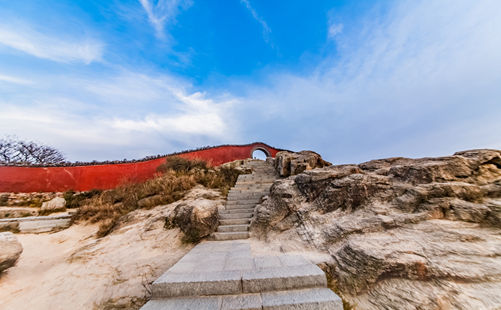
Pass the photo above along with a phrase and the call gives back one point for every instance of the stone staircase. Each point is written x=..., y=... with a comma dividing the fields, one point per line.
x=234, y=221
x=223, y=275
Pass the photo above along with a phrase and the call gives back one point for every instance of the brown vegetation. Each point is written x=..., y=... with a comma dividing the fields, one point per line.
x=176, y=176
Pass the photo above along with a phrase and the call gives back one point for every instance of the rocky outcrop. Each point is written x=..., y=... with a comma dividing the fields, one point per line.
x=10, y=250
x=55, y=204
x=290, y=163
x=401, y=233
x=196, y=214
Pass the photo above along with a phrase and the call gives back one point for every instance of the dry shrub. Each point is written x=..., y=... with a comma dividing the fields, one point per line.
x=179, y=176
x=181, y=165
x=75, y=200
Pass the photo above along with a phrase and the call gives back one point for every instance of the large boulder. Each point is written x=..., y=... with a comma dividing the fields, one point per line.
x=291, y=163
x=55, y=204
x=10, y=250
x=196, y=214
x=401, y=233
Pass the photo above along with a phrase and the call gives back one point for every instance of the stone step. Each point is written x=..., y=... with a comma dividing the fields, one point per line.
x=233, y=228
x=305, y=299
x=239, y=203
x=236, y=204
x=37, y=224
x=283, y=278
x=238, y=197
x=248, y=191
x=253, y=177
x=236, y=216
x=232, y=271
x=243, y=201
x=243, y=209
x=231, y=235
x=253, y=189
x=246, y=183
x=246, y=207
x=243, y=196
x=233, y=192
x=232, y=211
x=234, y=221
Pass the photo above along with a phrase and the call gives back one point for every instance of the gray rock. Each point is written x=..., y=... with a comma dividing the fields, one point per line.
x=196, y=215
x=55, y=204
x=289, y=163
x=402, y=233
x=10, y=250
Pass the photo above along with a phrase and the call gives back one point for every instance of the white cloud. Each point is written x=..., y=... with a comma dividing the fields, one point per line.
x=14, y=80
x=260, y=20
x=334, y=29
x=35, y=43
x=163, y=12
x=396, y=86
x=105, y=117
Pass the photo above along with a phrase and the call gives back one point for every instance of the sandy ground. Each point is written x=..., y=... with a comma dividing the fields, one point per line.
x=71, y=269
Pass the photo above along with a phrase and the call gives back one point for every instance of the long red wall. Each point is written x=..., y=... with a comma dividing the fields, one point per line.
x=82, y=178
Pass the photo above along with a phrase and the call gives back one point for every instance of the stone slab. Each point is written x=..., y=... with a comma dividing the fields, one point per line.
x=186, y=303
x=234, y=228
x=283, y=278
x=203, y=283
x=314, y=299
x=234, y=221
x=242, y=302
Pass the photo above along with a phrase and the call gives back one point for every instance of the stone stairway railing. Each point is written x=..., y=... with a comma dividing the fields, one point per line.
x=242, y=199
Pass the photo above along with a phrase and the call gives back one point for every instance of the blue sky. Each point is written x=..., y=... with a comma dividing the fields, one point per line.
x=352, y=80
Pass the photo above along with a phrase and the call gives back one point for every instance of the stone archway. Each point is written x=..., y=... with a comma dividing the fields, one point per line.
x=260, y=149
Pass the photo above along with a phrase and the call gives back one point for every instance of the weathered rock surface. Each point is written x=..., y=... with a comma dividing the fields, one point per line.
x=55, y=204
x=197, y=213
x=290, y=163
x=10, y=212
x=401, y=233
x=10, y=250
x=71, y=269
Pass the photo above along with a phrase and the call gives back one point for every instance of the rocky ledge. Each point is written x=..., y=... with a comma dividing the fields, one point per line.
x=401, y=233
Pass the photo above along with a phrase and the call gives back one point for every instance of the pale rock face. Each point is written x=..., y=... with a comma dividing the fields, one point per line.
x=10, y=250
x=401, y=233
x=289, y=163
x=56, y=204
x=197, y=213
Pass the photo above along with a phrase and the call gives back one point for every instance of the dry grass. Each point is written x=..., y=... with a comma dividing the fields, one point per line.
x=178, y=177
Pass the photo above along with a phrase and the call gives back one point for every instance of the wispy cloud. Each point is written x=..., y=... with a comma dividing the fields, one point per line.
x=396, y=85
x=260, y=20
x=27, y=40
x=163, y=12
x=334, y=29
x=14, y=80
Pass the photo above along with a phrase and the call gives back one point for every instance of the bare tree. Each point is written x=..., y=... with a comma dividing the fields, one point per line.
x=17, y=152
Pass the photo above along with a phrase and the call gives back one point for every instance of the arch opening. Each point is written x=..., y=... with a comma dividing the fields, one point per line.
x=260, y=154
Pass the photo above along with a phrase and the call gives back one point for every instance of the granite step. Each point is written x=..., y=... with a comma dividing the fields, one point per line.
x=242, y=201
x=235, y=216
x=233, y=228
x=305, y=299
x=231, y=235
x=240, y=210
x=234, y=221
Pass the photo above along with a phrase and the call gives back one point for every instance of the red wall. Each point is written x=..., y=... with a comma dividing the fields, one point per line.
x=82, y=178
